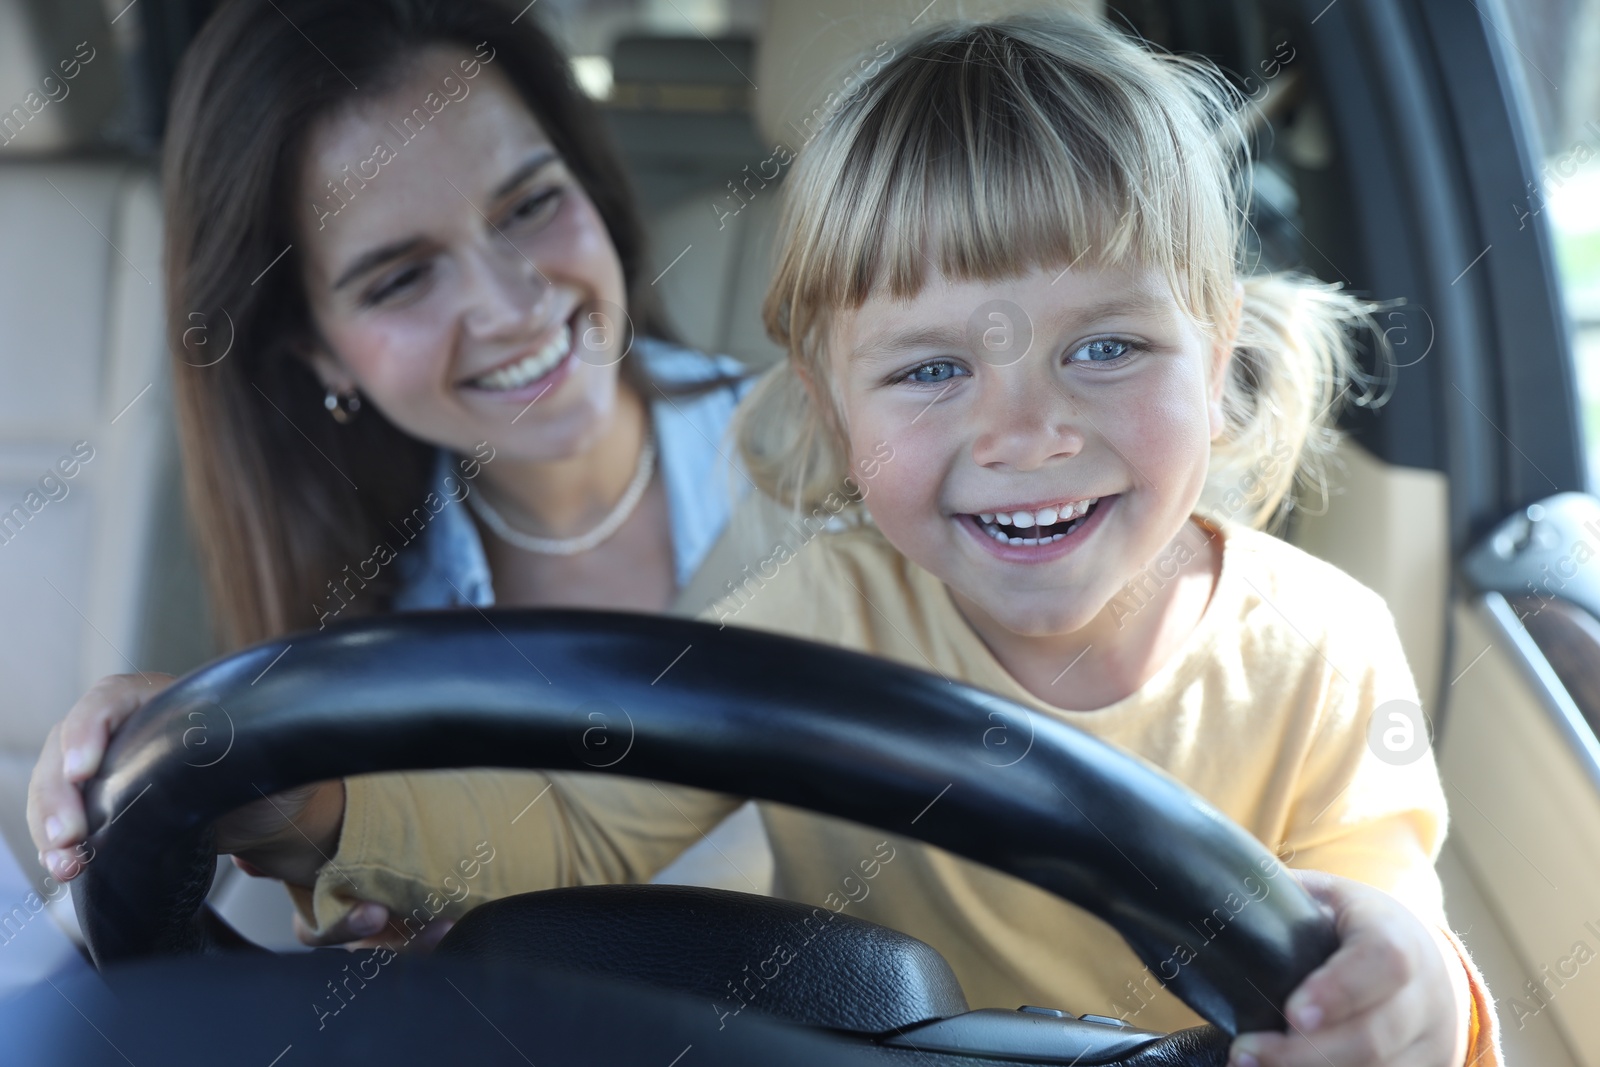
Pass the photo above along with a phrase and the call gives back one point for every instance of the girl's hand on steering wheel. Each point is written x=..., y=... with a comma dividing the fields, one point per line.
x=1395, y=993
x=368, y=926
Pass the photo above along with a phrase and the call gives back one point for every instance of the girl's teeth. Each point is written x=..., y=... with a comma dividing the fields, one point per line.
x=1026, y=520
x=1011, y=540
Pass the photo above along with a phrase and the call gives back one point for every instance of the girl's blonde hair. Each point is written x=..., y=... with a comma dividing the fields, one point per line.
x=987, y=149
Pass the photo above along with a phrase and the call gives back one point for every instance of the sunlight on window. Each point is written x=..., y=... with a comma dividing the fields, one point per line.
x=1552, y=47
x=710, y=17
x=594, y=75
x=1574, y=217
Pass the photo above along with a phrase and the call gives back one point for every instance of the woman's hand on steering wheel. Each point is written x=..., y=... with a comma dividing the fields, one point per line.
x=72, y=754
x=287, y=836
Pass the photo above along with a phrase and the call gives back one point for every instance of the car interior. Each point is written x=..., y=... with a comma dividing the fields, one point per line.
x=1390, y=136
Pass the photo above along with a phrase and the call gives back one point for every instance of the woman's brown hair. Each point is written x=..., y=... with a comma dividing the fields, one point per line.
x=283, y=497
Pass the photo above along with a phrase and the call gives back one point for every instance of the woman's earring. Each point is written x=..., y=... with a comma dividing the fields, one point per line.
x=342, y=407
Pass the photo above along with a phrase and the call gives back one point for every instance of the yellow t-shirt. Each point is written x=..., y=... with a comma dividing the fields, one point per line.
x=1263, y=710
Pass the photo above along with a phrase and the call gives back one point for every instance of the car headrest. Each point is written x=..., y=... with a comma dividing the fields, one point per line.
x=60, y=79
x=808, y=50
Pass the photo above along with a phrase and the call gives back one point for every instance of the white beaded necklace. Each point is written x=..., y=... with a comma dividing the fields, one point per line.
x=571, y=546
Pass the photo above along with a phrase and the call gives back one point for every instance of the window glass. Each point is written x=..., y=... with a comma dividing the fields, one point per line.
x=1552, y=45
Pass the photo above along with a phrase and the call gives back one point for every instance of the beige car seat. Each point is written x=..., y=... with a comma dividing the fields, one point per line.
x=95, y=571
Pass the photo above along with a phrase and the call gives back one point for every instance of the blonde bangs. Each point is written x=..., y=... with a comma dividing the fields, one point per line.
x=986, y=151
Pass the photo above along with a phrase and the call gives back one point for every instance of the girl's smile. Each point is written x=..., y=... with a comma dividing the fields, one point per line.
x=1036, y=535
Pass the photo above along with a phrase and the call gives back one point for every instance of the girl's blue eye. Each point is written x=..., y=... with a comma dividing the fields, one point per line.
x=934, y=372
x=1105, y=350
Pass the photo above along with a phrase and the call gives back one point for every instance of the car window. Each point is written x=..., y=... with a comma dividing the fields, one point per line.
x=1551, y=47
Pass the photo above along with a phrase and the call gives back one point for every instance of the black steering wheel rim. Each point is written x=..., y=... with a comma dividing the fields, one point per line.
x=812, y=726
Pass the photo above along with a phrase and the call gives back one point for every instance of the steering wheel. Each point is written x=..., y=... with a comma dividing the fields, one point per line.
x=732, y=710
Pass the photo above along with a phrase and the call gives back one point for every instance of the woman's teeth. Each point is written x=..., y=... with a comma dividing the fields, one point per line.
x=1050, y=524
x=533, y=367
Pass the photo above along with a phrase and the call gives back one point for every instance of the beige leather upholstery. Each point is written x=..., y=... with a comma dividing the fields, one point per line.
x=808, y=50
x=95, y=576
x=1389, y=528
x=713, y=295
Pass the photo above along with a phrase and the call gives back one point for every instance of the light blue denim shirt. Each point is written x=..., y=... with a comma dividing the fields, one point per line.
x=445, y=565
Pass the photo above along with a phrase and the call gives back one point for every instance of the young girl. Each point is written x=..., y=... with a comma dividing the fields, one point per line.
x=1008, y=288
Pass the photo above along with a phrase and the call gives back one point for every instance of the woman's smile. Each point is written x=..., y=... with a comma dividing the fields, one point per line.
x=527, y=367
x=465, y=286
x=528, y=376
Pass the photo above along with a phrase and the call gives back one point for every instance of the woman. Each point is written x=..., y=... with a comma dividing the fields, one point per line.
x=444, y=387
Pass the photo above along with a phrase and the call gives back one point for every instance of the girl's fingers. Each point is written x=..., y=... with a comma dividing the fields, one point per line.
x=431, y=935
x=1376, y=958
x=369, y=926
x=1372, y=1003
x=362, y=927
x=1368, y=969
x=1380, y=1040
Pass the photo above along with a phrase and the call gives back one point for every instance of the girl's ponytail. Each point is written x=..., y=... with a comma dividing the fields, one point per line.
x=788, y=452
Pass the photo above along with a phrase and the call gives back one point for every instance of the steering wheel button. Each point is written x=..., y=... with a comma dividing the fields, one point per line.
x=1054, y=1013
x=1033, y=1036
x=1106, y=1020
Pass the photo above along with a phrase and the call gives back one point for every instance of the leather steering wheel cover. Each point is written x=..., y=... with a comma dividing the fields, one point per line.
x=813, y=726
